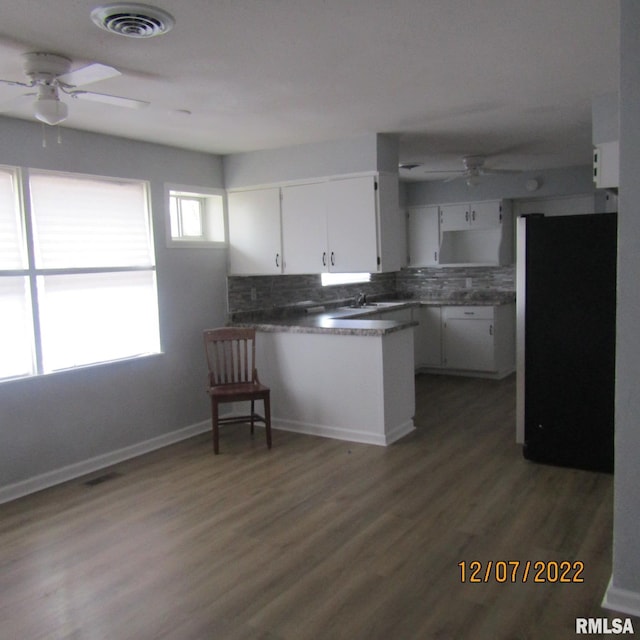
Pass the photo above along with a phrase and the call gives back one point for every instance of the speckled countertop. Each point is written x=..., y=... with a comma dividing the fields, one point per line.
x=345, y=320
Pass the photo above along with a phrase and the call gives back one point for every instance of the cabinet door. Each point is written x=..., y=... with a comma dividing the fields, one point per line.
x=468, y=341
x=255, y=241
x=428, y=337
x=606, y=165
x=423, y=236
x=352, y=225
x=304, y=228
x=454, y=217
x=486, y=215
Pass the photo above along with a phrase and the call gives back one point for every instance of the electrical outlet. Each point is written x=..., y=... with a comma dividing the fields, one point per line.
x=254, y=294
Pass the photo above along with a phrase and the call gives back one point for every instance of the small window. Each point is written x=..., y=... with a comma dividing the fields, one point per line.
x=328, y=279
x=196, y=217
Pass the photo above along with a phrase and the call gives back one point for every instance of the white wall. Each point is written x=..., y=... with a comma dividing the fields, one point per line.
x=624, y=591
x=57, y=421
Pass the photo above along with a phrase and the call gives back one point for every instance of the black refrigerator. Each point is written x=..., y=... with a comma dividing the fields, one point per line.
x=566, y=335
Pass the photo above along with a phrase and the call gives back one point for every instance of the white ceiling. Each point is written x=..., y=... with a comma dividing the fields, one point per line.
x=511, y=79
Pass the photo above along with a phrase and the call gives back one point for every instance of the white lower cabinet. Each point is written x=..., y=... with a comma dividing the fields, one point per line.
x=399, y=315
x=428, y=337
x=473, y=340
x=468, y=338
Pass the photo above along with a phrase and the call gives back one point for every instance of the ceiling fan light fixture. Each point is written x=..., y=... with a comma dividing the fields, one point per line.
x=132, y=20
x=48, y=107
x=473, y=180
x=51, y=111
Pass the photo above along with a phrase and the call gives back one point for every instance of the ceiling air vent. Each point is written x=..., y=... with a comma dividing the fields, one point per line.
x=132, y=20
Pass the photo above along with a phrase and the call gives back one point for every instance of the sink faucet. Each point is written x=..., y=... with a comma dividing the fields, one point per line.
x=361, y=299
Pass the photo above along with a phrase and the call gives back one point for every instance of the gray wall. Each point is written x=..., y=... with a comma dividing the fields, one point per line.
x=373, y=152
x=49, y=422
x=556, y=182
x=626, y=540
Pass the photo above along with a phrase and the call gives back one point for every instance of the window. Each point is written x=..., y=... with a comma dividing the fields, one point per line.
x=77, y=272
x=328, y=279
x=196, y=216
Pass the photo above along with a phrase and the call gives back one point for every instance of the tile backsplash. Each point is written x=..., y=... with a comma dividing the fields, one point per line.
x=442, y=283
x=255, y=293
x=264, y=293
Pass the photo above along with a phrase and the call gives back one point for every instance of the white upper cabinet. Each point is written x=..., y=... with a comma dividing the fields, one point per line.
x=475, y=215
x=486, y=215
x=337, y=226
x=423, y=236
x=352, y=225
x=255, y=240
x=454, y=217
x=304, y=228
x=340, y=225
x=477, y=233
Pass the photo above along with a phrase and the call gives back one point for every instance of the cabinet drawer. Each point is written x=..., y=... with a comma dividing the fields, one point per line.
x=471, y=312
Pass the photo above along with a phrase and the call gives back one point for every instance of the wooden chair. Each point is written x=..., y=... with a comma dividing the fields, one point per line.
x=233, y=377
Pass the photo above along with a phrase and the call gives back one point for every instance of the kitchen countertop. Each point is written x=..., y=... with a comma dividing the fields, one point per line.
x=352, y=321
x=339, y=321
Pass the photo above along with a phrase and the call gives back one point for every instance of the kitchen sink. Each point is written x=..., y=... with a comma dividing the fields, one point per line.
x=373, y=305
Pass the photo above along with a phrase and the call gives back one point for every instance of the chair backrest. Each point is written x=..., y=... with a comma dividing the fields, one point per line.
x=231, y=355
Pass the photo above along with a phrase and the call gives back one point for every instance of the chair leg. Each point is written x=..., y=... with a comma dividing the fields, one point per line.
x=214, y=423
x=267, y=419
x=253, y=410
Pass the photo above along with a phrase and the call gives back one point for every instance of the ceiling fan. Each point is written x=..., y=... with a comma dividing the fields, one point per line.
x=49, y=75
x=473, y=168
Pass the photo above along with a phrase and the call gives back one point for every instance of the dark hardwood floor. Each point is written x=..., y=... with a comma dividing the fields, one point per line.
x=316, y=539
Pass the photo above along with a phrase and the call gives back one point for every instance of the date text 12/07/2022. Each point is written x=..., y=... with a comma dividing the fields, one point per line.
x=541, y=571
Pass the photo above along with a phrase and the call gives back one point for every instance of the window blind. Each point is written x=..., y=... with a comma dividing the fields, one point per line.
x=12, y=254
x=81, y=222
x=16, y=327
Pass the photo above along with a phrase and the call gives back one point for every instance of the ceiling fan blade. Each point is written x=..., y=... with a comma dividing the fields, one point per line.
x=88, y=74
x=447, y=171
x=487, y=171
x=16, y=102
x=115, y=101
x=14, y=83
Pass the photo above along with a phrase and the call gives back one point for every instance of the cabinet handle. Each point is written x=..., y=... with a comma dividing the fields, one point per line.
x=435, y=256
x=473, y=215
x=277, y=259
x=466, y=216
x=469, y=313
x=490, y=329
x=324, y=258
x=333, y=259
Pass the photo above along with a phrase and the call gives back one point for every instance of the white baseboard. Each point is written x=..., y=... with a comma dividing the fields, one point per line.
x=400, y=431
x=57, y=476
x=621, y=600
x=339, y=433
x=466, y=373
x=78, y=469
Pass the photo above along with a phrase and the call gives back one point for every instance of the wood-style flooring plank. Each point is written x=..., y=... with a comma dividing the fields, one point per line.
x=315, y=539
